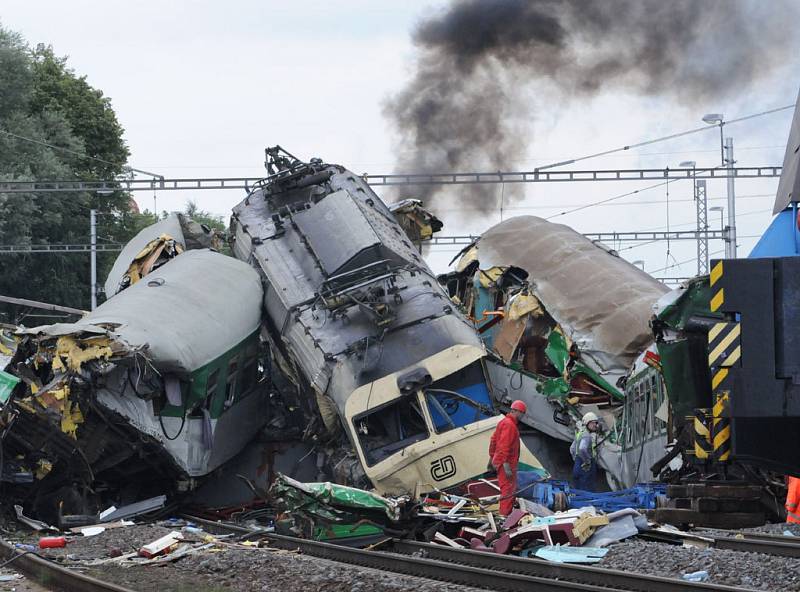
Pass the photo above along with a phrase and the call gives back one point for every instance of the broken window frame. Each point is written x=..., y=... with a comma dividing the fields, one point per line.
x=416, y=402
x=482, y=412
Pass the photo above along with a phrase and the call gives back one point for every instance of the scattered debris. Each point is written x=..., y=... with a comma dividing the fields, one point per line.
x=52, y=542
x=696, y=576
x=131, y=510
x=561, y=554
x=161, y=546
x=29, y=522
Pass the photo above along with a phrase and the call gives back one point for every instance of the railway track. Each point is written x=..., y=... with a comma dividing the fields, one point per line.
x=496, y=572
x=457, y=566
x=52, y=576
x=744, y=542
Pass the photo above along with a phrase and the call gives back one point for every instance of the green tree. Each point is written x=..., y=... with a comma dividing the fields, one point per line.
x=42, y=100
x=213, y=221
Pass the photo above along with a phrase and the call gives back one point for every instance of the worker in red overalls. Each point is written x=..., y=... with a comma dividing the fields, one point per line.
x=504, y=455
x=792, y=499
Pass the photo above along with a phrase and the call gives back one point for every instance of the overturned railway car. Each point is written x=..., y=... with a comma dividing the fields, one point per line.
x=568, y=324
x=390, y=375
x=154, y=389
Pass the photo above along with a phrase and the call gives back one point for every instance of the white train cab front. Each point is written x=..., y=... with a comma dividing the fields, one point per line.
x=428, y=427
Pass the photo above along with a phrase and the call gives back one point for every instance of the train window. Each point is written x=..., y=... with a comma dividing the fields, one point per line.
x=249, y=375
x=232, y=379
x=389, y=429
x=462, y=396
x=211, y=383
x=450, y=409
x=640, y=418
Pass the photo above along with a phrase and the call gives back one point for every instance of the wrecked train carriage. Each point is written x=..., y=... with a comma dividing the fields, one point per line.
x=379, y=357
x=568, y=323
x=156, y=387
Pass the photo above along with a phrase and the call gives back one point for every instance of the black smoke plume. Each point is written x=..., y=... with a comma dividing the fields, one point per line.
x=468, y=105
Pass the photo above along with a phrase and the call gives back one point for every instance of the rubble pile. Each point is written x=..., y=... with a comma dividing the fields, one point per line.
x=467, y=517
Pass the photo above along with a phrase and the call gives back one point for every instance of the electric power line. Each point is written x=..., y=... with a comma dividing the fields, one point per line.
x=665, y=138
x=76, y=153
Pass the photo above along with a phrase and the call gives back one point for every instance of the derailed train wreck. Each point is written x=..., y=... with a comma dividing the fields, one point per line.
x=390, y=375
x=334, y=332
x=154, y=389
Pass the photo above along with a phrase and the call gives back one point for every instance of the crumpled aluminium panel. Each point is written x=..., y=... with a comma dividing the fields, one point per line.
x=186, y=312
x=603, y=302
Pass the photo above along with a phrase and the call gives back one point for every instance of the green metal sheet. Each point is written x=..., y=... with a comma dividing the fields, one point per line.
x=7, y=384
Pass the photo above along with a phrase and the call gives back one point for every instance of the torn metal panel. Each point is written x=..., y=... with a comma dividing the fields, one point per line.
x=417, y=222
x=169, y=226
x=155, y=245
x=136, y=509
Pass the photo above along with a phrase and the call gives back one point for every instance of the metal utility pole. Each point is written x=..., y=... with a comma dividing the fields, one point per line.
x=731, y=251
x=701, y=201
x=93, y=241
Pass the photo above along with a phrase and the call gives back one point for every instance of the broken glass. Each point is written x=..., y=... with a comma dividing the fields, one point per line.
x=391, y=428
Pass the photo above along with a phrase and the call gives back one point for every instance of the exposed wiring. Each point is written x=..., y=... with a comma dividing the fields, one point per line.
x=164, y=431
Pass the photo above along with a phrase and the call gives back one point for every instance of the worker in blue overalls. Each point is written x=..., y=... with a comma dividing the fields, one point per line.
x=584, y=451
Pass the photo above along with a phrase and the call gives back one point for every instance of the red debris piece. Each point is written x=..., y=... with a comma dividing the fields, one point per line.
x=513, y=519
x=502, y=544
x=52, y=542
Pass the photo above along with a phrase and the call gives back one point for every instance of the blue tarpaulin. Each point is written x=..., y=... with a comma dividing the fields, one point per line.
x=641, y=495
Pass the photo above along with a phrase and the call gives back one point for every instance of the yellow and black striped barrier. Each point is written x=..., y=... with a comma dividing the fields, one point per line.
x=724, y=346
x=703, y=447
x=724, y=352
x=721, y=428
x=718, y=293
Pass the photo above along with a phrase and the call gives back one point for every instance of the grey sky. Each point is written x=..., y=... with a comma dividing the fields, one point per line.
x=202, y=87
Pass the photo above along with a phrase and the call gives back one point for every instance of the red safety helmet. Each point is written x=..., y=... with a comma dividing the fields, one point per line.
x=519, y=406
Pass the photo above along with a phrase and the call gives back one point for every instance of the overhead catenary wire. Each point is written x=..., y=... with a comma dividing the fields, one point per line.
x=79, y=154
x=666, y=138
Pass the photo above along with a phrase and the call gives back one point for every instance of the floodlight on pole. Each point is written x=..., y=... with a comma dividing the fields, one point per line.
x=726, y=155
x=688, y=164
x=639, y=263
x=717, y=119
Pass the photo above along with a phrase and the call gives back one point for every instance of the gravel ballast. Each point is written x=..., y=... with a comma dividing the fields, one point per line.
x=733, y=568
x=226, y=567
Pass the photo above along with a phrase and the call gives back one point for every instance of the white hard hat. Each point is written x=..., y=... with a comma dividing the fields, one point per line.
x=591, y=416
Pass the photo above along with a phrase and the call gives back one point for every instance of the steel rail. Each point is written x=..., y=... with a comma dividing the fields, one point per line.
x=750, y=543
x=474, y=568
x=599, y=576
x=758, y=545
x=53, y=576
